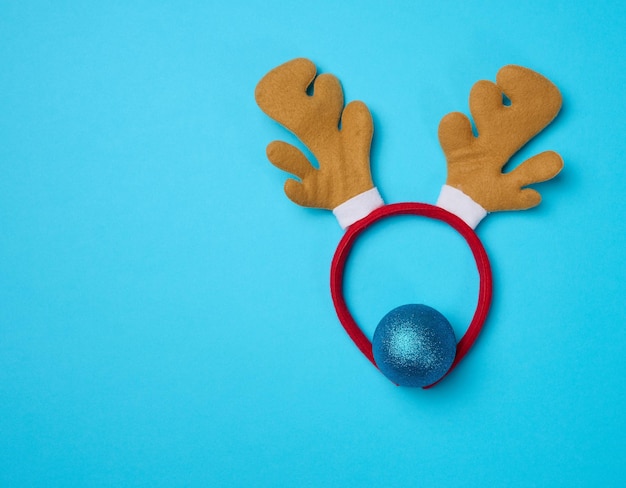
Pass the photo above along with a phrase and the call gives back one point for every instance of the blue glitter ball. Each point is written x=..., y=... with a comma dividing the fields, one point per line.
x=414, y=345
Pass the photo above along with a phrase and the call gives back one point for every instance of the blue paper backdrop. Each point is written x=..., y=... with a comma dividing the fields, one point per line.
x=165, y=317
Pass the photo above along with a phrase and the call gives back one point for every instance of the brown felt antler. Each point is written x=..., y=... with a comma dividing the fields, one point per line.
x=475, y=163
x=342, y=153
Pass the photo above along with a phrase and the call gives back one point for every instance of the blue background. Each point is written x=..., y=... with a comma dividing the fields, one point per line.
x=165, y=317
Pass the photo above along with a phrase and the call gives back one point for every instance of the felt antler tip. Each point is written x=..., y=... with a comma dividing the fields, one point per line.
x=343, y=171
x=475, y=163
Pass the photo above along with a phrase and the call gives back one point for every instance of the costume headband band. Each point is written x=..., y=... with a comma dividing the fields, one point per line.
x=413, y=345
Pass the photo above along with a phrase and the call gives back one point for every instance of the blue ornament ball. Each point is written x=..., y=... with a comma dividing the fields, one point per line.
x=414, y=345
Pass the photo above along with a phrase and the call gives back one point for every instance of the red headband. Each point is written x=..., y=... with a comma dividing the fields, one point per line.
x=424, y=210
x=338, y=178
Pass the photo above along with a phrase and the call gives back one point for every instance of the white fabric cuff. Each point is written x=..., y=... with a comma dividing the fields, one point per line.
x=455, y=201
x=358, y=207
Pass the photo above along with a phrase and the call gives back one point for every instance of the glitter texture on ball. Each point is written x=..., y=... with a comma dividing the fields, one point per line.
x=414, y=345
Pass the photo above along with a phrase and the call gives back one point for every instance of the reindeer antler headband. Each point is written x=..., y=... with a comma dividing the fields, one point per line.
x=413, y=345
